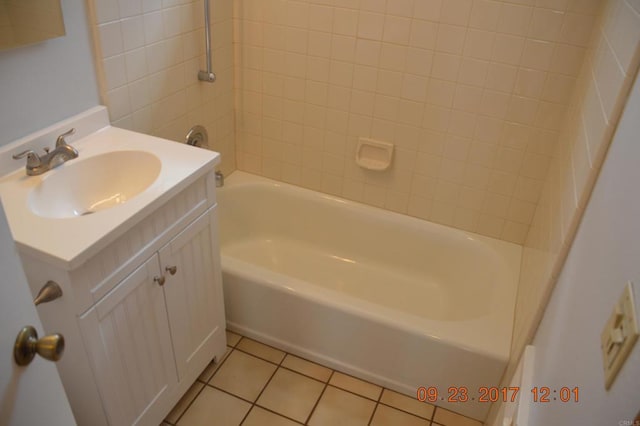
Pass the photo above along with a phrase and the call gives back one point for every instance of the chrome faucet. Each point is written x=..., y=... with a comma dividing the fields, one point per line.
x=37, y=165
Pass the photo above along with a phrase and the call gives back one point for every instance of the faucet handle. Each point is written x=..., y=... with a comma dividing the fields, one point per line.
x=60, y=141
x=33, y=160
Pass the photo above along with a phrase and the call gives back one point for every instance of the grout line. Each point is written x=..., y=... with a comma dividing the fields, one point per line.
x=190, y=403
x=353, y=393
x=326, y=385
x=276, y=413
x=305, y=375
x=377, y=405
x=373, y=414
x=254, y=403
x=205, y=385
x=229, y=393
x=408, y=412
x=258, y=356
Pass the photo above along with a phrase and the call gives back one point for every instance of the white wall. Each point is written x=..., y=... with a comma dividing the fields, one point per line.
x=48, y=81
x=603, y=257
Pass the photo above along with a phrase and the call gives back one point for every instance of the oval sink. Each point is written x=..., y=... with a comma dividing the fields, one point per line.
x=97, y=183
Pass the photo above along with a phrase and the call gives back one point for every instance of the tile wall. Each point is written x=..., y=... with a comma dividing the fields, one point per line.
x=603, y=86
x=473, y=94
x=149, y=54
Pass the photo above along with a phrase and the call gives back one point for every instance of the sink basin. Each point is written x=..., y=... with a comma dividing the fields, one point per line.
x=97, y=183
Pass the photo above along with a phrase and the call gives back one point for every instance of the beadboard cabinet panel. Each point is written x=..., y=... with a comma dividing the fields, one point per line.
x=129, y=346
x=190, y=295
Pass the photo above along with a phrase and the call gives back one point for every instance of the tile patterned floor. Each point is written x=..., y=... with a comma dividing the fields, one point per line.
x=257, y=385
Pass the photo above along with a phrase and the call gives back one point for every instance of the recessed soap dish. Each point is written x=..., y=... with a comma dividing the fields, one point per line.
x=374, y=155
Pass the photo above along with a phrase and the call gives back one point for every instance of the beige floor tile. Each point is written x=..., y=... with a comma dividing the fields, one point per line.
x=232, y=338
x=215, y=407
x=184, y=402
x=449, y=418
x=208, y=372
x=354, y=385
x=387, y=416
x=340, y=408
x=291, y=394
x=307, y=368
x=260, y=350
x=243, y=375
x=261, y=417
x=406, y=403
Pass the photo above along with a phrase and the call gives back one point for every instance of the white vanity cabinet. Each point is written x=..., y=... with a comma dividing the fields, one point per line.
x=144, y=315
x=129, y=346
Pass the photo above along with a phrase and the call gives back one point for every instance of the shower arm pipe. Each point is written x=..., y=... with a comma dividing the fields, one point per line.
x=207, y=75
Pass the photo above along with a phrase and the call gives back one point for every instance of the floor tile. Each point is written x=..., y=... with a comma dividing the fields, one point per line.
x=232, y=338
x=243, y=375
x=208, y=372
x=307, y=368
x=387, y=416
x=291, y=394
x=449, y=418
x=215, y=407
x=184, y=402
x=261, y=417
x=406, y=403
x=354, y=385
x=260, y=350
x=337, y=407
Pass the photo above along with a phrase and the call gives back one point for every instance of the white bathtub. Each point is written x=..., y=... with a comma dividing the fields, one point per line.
x=394, y=300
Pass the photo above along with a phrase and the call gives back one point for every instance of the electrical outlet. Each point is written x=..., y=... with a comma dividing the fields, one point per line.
x=619, y=335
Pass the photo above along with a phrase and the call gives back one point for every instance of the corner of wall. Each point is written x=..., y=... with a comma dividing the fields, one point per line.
x=602, y=91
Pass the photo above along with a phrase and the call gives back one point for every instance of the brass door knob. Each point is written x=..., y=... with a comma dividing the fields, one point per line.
x=27, y=345
x=171, y=269
x=160, y=280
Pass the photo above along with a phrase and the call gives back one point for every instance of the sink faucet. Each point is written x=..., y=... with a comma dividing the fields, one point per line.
x=37, y=165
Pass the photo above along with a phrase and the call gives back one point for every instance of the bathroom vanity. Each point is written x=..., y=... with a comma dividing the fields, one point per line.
x=142, y=308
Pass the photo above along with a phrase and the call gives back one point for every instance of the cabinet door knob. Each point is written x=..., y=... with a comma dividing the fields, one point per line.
x=171, y=269
x=27, y=345
x=160, y=280
x=50, y=291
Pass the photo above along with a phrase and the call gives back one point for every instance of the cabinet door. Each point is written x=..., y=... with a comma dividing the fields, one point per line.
x=127, y=338
x=194, y=296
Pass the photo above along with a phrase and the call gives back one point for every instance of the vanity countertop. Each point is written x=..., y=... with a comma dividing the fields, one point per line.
x=68, y=242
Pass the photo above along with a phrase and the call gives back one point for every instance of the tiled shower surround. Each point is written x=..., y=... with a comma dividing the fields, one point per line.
x=473, y=94
x=149, y=54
